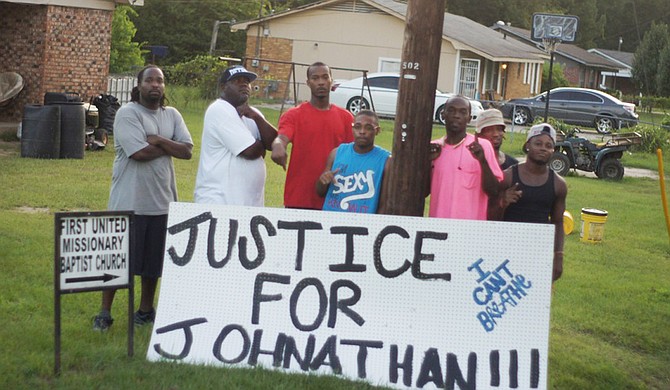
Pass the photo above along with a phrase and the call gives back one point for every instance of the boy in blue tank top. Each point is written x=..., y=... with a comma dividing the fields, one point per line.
x=353, y=178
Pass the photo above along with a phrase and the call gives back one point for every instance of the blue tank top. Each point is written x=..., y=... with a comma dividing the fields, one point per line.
x=356, y=186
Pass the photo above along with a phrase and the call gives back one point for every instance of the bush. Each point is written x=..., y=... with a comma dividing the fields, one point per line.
x=201, y=72
x=559, y=126
x=665, y=122
x=653, y=137
x=558, y=78
x=647, y=103
x=187, y=98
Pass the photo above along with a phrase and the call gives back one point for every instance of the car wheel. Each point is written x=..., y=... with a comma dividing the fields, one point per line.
x=356, y=104
x=610, y=169
x=521, y=116
x=605, y=124
x=438, y=115
x=559, y=163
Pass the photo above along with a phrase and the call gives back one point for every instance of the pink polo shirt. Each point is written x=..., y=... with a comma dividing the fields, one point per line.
x=456, y=181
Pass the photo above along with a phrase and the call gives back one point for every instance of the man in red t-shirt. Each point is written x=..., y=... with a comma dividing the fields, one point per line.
x=315, y=128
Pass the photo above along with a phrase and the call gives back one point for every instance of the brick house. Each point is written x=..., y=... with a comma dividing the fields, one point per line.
x=622, y=78
x=56, y=46
x=368, y=35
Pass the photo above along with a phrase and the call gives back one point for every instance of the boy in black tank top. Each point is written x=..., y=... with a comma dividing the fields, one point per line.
x=533, y=192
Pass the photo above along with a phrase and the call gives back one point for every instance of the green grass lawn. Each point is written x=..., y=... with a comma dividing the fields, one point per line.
x=610, y=314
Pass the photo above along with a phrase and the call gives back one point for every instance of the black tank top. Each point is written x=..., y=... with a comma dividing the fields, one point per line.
x=535, y=203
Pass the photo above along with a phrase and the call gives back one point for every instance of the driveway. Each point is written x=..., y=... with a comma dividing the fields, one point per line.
x=628, y=172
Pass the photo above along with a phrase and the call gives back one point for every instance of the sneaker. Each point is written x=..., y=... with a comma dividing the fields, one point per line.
x=102, y=322
x=141, y=318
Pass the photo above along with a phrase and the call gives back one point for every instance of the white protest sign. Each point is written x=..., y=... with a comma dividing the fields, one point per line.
x=399, y=301
x=92, y=250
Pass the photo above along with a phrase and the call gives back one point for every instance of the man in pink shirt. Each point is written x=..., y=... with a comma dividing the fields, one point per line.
x=465, y=170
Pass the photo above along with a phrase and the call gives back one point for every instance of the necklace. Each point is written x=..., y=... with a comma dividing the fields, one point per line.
x=454, y=147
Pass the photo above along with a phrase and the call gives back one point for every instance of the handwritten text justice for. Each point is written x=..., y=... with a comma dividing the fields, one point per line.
x=331, y=302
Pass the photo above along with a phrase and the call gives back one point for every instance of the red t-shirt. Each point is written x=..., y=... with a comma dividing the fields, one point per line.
x=313, y=133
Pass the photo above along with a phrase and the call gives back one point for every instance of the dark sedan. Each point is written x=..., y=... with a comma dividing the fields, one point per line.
x=575, y=106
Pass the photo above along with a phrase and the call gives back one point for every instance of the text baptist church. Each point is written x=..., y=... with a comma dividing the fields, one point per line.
x=102, y=262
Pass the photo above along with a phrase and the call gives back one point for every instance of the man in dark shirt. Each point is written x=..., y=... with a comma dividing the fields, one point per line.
x=534, y=193
x=491, y=126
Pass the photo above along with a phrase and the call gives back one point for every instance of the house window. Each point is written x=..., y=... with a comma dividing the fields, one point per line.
x=391, y=65
x=490, y=75
x=469, y=77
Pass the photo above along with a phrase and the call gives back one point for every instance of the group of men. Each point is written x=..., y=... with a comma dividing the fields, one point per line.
x=334, y=165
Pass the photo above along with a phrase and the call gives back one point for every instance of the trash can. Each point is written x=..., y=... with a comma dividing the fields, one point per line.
x=72, y=129
x=61, y=97
x=40, y=131
x=72, y=122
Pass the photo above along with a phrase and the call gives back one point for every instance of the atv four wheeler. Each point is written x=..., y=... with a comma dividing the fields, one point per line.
x=572, y=151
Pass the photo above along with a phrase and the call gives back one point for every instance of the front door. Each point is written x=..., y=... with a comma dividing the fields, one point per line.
x=469, y=78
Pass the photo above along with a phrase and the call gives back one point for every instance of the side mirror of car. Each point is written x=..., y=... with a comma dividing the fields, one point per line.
x=543, y=98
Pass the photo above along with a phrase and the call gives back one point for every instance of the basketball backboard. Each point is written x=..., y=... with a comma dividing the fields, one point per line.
x=562, y=28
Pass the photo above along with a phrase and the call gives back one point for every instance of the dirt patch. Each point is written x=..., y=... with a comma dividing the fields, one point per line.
x=9, y=148
x=640, y=172
x=628, y=172
x=32, y=210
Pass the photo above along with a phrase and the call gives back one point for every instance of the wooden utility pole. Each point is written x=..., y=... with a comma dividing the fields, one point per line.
x=410, y=171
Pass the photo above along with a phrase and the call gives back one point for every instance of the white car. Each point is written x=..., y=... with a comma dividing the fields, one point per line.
x=384, y=88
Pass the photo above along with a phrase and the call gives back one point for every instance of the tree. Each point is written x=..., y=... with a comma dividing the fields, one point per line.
x=630, y=19
x=280, y=5
x=663, y=76
x=185, y=27
x=518, y=13
x=647, y=59
x=124, y=54
x=591, y=28
x=557, y=77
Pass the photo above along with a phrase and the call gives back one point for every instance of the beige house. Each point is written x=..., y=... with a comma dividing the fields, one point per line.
x=368, y=35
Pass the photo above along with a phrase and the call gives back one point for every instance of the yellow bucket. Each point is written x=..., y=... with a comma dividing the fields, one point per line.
x=568, y=222
x=593, y=225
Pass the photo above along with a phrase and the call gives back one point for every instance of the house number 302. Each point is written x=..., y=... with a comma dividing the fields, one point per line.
x=410, y=65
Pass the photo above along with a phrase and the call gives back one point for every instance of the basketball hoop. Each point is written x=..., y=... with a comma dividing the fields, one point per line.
x=549, y=44
x=551, y=30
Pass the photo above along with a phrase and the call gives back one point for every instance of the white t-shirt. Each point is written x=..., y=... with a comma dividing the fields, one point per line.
x=223, y=176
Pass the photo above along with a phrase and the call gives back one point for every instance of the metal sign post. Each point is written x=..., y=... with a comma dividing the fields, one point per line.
x=551, y=46
x=92, y=253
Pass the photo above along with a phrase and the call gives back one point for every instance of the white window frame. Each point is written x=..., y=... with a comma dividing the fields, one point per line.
x=384, y=61
x=537, y=78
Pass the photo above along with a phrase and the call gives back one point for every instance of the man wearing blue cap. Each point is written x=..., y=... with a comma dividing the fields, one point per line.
x=235, y=137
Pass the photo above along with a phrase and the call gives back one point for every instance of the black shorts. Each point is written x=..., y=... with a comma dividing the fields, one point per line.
x=149, y=245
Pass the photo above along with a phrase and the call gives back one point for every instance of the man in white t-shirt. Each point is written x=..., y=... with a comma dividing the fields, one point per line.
x=235, y=138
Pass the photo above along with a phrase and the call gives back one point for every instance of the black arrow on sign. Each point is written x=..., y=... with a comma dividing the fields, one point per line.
x=104, y=278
